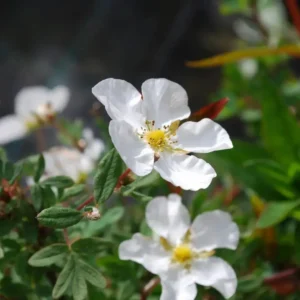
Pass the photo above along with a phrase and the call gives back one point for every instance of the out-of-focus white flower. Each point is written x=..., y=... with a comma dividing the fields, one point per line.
x=183, y=253
x=145, y=130
x=34, y=106
x=248, y=67
x=93, y=147
x=67, y=162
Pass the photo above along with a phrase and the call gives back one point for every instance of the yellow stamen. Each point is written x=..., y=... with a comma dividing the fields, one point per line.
x=156, y=139
x=182, y=254
x=166, y=245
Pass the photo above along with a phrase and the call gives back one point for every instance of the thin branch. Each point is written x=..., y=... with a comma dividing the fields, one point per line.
x=149, y=287
x=122, y=178
x=294, y=11
x=66, y=236
x=86, y=202
x=40, y=140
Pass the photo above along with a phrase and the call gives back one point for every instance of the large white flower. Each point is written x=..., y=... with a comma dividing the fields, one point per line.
x=145, y=130
x=33, y=106
x=183, y=253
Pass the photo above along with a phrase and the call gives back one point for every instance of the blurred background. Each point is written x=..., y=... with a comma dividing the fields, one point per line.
x=80, y=43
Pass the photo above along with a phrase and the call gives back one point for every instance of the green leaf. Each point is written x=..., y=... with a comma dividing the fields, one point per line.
x=72, y=191
x=37, y=197
x=40, y=168
x=48, y=255
x=17, y=171
x=275, y=213
x=91, y=274
x=79, y=286
x=107, y=175
x=90, y=246
x=64, y=279
x=280, y=130
x=48, y=196
x=1, y=253
x=59, y=182
x=59, y=217
x=112, y=216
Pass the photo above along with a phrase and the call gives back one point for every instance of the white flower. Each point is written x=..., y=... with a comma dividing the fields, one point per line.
x=183, y=253
x=33, y=106
x=67, y=162
x=93, y=147
x=94, y=214
x=145, y=130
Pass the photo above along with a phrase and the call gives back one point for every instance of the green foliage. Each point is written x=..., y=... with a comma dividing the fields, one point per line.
x=59, y=217
x=107, y=174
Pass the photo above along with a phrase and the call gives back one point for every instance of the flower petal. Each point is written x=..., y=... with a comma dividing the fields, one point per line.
x=204, y=136
x=122, y=101
x=214, y=229
x=168, y=217
x=171, y=291
x=188, y=172
x=217, y=273
x=164, y=101
x=59, y=98
x=11, y=128
x=137, y=155
x=146, y=252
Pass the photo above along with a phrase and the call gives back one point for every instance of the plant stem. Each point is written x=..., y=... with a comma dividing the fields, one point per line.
x=122, y=178
x=149, y=287
x=66, y=236
x=86, y=202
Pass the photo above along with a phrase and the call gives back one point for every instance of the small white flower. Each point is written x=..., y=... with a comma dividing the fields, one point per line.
x=145, y=130
x=93, y=146
x=183, y=254
x=67, y=162
x=33, y=106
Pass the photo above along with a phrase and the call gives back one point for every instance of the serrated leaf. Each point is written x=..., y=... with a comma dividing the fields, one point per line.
x=48, y=255
x=91, y=274
x=79, y=286
x=37, y=197
x=90, y=246
x=59, y=182
x=40, y=168
x=64, y=279
x=107, y=175
x=59, y=217
x=72, y=191
x=275, y=213
x=17, y=171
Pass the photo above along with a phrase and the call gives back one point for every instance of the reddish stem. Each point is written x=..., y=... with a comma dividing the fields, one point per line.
x=149, y=287
x=122, y=178
x=66, y=236
x=86, y=202
x=294, y=12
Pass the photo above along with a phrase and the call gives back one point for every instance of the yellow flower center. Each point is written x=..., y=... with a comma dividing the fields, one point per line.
x=182, y=254
x=156, y=139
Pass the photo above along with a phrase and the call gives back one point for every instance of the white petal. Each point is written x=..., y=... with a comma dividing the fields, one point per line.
x=11, y=128
x=164, y=101
x=217, y=273
x=29, y=98
x=59, y=98
x=204, y=136
x=136, y=154
x=172, y=292
x=146, y=252
x=122, y=101
x=168, y=217
x=94, y=149
x=213, y=230
x=188, y=172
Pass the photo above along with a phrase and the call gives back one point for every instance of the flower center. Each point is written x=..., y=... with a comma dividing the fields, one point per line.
x=182, y=254
x=156, y=139
x=45, y=111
